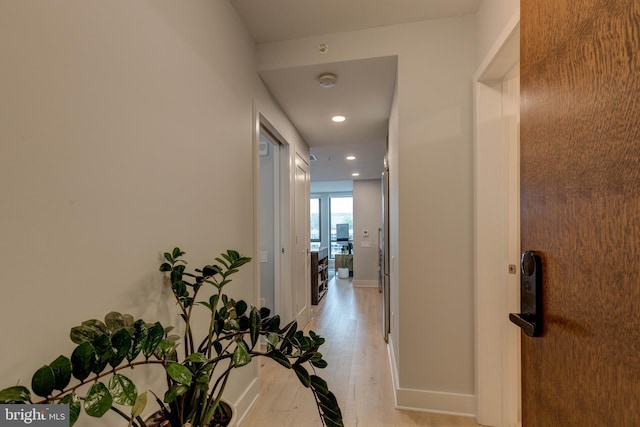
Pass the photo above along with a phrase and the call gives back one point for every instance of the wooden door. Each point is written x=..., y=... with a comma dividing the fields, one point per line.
x=580, y=207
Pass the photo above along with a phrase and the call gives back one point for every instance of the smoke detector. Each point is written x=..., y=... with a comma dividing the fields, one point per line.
x=328, y=80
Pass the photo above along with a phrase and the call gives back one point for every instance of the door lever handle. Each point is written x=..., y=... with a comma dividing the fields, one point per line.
x=528, y=324
x=530, y=316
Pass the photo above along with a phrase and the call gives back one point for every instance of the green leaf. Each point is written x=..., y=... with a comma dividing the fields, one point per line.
x=272, y=324
x=120, y=345
x=180, y=288
x=139, y=337
x=153, y=339
x=138, y=407
x=174, y=392
x=302, y=374
x=321, y=363
x=114, y=321
x=16, y=393
x=165, y=266
x=241, y=308
x=217, y=346
x=177, y=253
x=197, y=357
x=202, y=382
x=43, y=381
x=97, y=326
x=82, y=360
x=234, y=324
x=176, y=273
x=254, y=326
x=83, y=333
x=241, y=355
x=128, y=320
x=61, y=371
x=331, y=413
x=319, y=384
x=210, y=270
x=280, y=358
x=123, y=390
x=165, y=347
x=168, y=257
x=179, y=373
x=306, y=356
x=74, y=407
x=273, y=340
x=98, y=400
x=290, y=329
x=104, y=353
x=213, y=301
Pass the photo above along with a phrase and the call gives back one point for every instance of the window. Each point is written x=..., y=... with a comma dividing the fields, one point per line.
x=314, y=212
x=341, y=212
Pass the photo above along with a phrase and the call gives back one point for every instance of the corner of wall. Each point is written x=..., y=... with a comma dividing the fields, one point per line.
x=428, y=401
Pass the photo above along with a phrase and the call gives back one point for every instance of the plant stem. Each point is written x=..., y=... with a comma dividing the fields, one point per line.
x=126, y=417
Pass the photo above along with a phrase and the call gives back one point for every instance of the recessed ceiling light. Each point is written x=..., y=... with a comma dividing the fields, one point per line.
x=351, y=157
x=355, y=174
x=338, y=119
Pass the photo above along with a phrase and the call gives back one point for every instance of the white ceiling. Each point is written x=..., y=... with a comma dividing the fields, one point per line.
x=365, y=87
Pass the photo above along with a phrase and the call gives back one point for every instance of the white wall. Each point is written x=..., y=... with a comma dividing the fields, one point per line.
x=433, y=252
x=491, y=19
x=367, y=215
x=125, y=129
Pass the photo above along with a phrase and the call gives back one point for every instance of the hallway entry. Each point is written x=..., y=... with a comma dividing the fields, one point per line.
x=358, y=373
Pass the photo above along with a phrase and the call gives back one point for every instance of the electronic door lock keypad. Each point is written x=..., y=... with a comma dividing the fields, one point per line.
x=530, y=316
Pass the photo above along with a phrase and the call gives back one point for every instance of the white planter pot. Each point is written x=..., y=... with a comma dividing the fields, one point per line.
x=343, y=273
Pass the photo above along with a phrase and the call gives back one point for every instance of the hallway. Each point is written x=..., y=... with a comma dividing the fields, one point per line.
x=358, y=373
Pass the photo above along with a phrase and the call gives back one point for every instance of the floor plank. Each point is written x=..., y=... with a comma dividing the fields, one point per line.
x=358, y=372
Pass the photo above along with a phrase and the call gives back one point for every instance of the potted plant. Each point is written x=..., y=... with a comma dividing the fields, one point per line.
x=344, y=263
x=196, y=368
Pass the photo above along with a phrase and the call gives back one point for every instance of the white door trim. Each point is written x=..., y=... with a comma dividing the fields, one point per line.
x=283, y=291
x=497, y=342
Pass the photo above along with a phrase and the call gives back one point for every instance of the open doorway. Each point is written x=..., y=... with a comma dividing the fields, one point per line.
x=273, y=198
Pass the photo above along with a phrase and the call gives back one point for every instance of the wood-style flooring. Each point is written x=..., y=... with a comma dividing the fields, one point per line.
x=349, y=318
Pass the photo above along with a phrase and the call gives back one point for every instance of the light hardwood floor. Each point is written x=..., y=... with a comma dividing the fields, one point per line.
x=358, y=373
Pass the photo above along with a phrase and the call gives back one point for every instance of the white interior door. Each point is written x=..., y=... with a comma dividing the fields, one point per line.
x=301, y=279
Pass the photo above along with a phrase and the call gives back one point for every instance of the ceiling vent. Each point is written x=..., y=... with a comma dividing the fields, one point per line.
x=328, y=80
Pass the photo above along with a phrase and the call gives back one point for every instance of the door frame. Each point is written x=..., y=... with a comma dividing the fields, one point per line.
x=283, y=301
x=301, y=245
x=497, y=352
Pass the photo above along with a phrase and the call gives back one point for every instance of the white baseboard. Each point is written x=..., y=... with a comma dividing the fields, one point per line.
x=426, y=400
x=247, y=399
x=366, y=283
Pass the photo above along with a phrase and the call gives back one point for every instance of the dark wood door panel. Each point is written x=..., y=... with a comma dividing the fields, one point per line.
x=580, y=208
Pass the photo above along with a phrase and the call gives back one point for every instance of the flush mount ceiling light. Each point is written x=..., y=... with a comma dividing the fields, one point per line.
x=350, y=157
x=338, y=119
x=327, y=80
x=355, y=174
